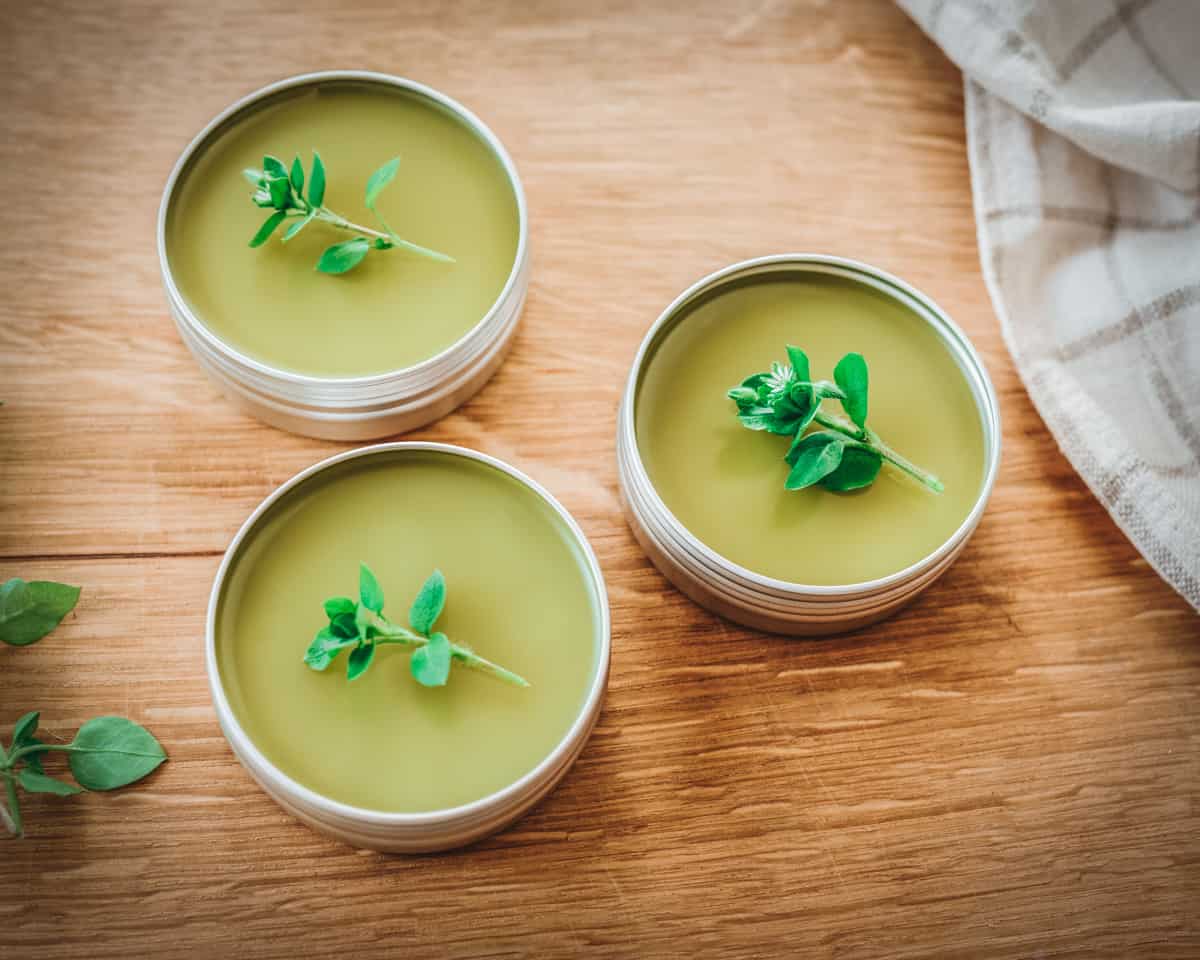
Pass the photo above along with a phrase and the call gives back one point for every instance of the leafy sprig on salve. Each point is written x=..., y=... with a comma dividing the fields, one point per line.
x=29, y=611
x=361, y=628
x=107, y=752
x=282, y=191
x=845, y=455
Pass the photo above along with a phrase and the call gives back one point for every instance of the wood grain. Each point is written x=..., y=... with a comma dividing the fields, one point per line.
x=1010, y=768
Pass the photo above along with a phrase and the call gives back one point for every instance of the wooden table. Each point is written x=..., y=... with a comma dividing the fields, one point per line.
x=1008, y=768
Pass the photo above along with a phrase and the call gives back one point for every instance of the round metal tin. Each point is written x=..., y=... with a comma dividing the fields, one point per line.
x=438, y=829
x=353, y=408
x=740, y=594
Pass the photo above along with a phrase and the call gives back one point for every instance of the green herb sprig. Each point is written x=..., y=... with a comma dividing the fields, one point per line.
x=29, y=611
x=282, y=191
x=107, y=752
x=845, y=455
x=361, y=628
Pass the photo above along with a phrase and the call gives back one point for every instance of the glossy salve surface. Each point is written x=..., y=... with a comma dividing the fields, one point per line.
x=725, y=483
x=451, y=193
x=519, y=593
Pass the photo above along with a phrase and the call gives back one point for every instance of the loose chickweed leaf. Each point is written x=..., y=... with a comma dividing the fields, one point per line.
x=851, y=375
x=107, y=752
x=24, y=729
x=344, y=256
x=844, y=455
x=362, y=628
x=428, y=605
x=112, y=752
x=380, y=179
x=430, y=664
x=30, y=610
x=34, y=781
x=278, y=188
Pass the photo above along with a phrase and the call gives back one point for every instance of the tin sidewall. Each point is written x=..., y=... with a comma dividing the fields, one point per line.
x=438, y=829
x=737, y=592
x=365, y=407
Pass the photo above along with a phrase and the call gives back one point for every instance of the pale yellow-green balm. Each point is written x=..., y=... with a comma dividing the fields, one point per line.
x=451, y=193
x=519, y=593
x=725, y=482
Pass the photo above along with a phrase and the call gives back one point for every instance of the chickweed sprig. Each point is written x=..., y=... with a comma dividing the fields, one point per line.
x=845, y=455
x=282, y=191
x=361, y=628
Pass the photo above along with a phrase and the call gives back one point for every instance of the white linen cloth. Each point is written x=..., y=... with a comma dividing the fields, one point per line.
x=1083, y=129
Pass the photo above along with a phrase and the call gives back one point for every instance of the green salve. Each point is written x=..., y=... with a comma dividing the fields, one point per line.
x=518, y=593
x=725, y=483
x=451, y=194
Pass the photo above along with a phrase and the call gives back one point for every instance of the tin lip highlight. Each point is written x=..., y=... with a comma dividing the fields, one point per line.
x=960, y=347
x=580, y=727
x=310, y=381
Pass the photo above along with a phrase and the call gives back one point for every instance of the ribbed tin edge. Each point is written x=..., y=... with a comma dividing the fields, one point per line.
x=439, y=829
x=366, y=407
x=741, y=594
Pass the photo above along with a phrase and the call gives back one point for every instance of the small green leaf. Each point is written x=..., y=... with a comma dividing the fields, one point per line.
x=274, y=167
x=298, y=176
x=743, y=396
x=380, y=179
x=339, y=605
x=430, y=664
x=34, y=760
x=280, y=189
x=111, y=752
x=799, y=361
x=851, y=375
x=383, y=243
x=345, y=625
x=370, y=593
x=34, y=781
x=812, y=457
x=299, y=225
x=859, y=468
x=316, y=183
x=29, y=611
x=428, y=605
x=24, y=730
x=253, y=177
x=268, y=228
x=360, y=659
x=325, y=648
x=344, y=256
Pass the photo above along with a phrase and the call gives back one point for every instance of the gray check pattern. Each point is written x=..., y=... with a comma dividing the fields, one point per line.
x=1083, y=127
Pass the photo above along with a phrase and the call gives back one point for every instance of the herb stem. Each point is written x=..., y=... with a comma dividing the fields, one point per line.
x=394, y=633
x=334, y=219
x=11, y=815
x=870, y=439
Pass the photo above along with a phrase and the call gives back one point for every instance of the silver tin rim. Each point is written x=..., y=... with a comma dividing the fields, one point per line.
x=300, y=392
x=537, y=781
x=685, y=549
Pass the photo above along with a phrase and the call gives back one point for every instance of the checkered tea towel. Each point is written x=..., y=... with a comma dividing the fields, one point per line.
x=1083, y=128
